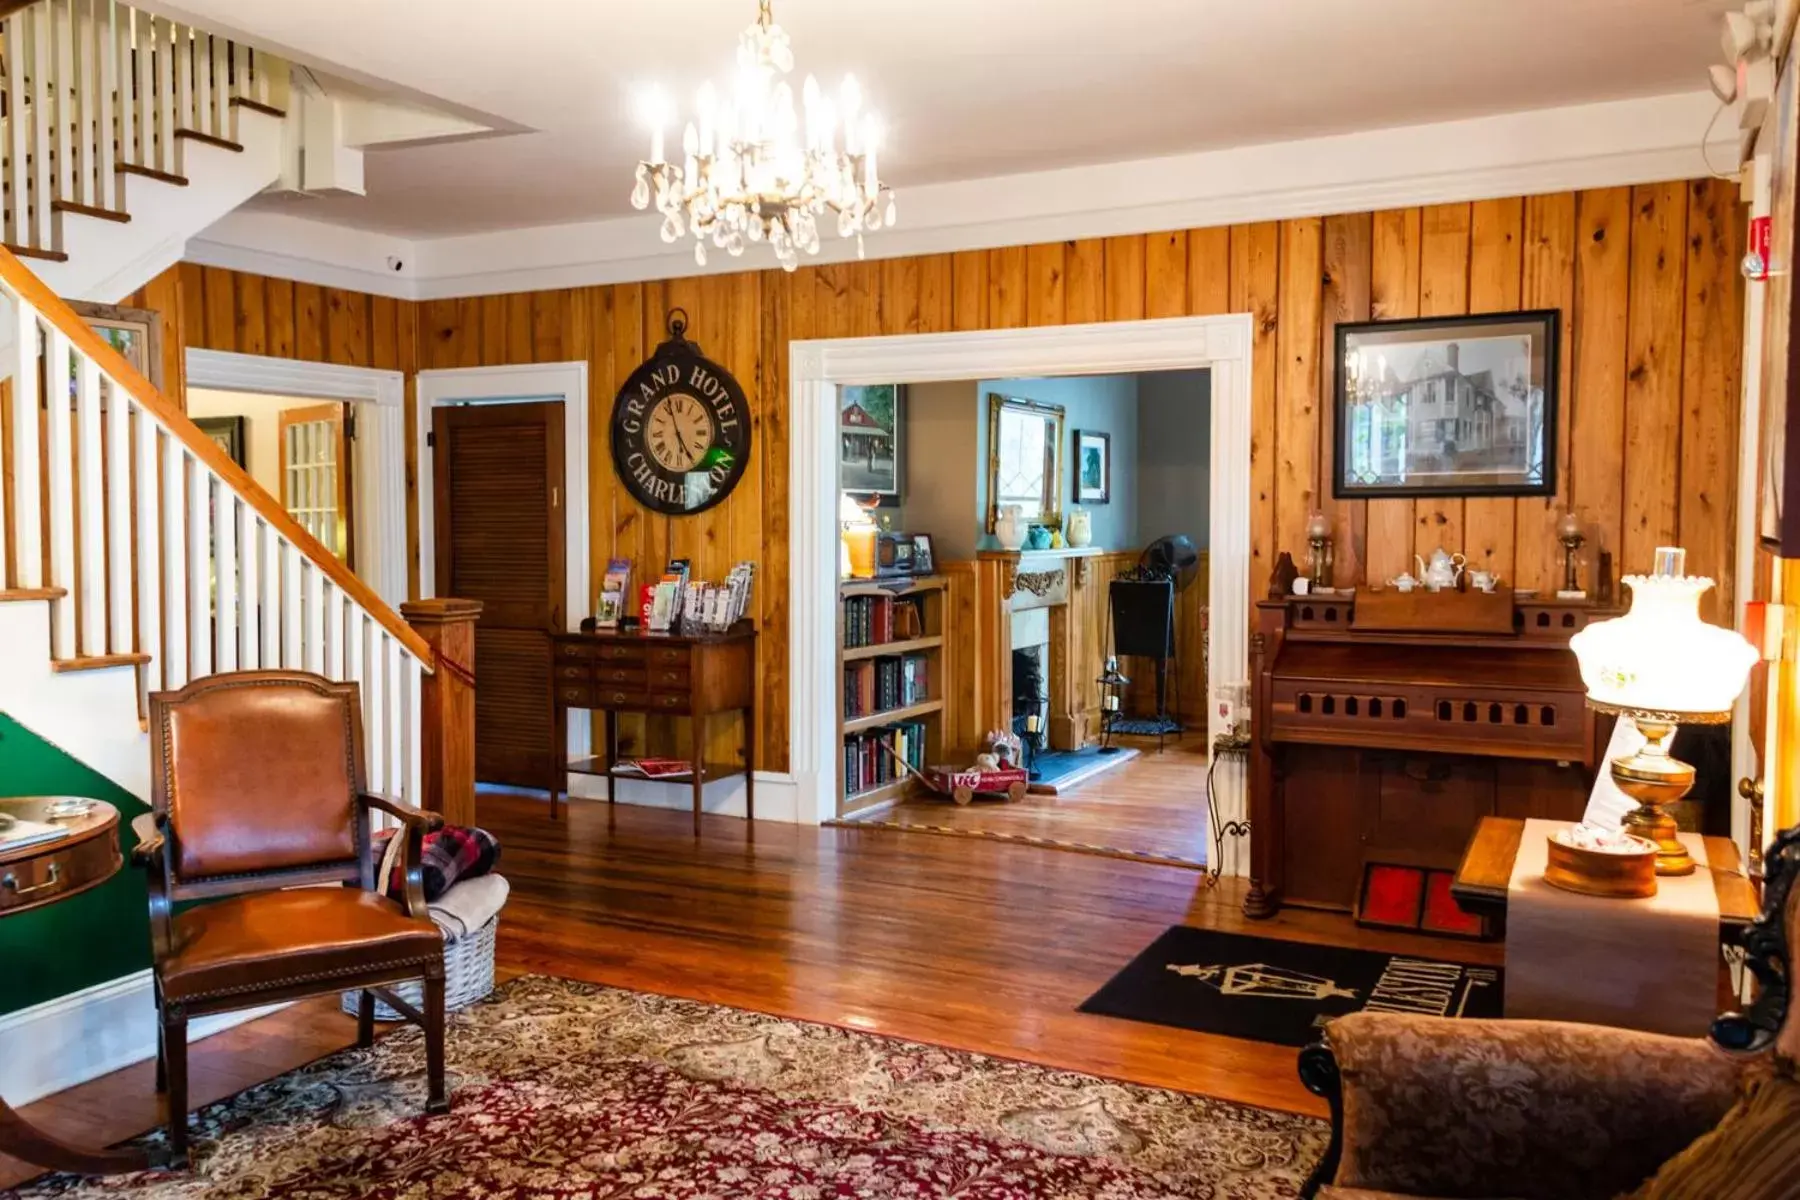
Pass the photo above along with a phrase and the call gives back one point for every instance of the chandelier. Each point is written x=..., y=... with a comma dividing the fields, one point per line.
x=755, y=170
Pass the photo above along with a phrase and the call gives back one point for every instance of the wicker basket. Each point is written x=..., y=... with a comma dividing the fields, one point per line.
x=468, y=976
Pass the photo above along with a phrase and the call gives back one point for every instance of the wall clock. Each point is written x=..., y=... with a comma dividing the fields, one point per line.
x=680, y=428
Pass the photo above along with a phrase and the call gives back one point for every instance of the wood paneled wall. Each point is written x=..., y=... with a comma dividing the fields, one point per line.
x=1647, y=278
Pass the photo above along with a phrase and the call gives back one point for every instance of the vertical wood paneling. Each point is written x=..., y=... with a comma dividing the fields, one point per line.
x=1084, y=281
x=936, y=294
x=1166, y=274
x=1711, y=381
x=1209, y=271
x=1496, y=233
x=1653, y=372
x=278, y=310
x=1393, y=296
x=1124, y=278
x=1348, y=250
x=1297, y=385
x=1044, y=304
x=1548, y=281
x=1443, y=292
x=1006, y=287
x=251, y=317
x=309, y=322
x=1255, y=287
x=1597, y=419
x=900, y=301
x=969, y=287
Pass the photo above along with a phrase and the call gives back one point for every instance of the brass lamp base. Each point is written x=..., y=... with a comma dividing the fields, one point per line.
x=1655, y=780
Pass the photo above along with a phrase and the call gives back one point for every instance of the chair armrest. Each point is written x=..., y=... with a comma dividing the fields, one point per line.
x=1541, y=1110
x=149, y=848
x=415, y=823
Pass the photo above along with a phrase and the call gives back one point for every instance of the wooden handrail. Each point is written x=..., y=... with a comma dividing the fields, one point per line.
x=53, y=309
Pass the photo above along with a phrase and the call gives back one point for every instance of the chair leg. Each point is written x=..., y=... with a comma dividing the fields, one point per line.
x=435, y=1099
x=174, y=1043
x=365, y=1018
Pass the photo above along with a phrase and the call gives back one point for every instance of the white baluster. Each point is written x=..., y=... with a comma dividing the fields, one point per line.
x=355, y=646
x=182, y=50
x=240, y=73
x=221, y=88
x=149, y=549
x=203, y=82
x=15, y=31
x=41, y=23
x=199, y=564
x=27, y=498
x=279, y=77
x=271, y=595
x=177, y=670
x=315, y=616
x=396, y=711
x=90, y=495
x=292, y=612
x=125, y=52
x=250, y=569
x=67, y=111
x=225, y=579
x=109, y=102
x=412, y=793
x=163, y=93
x=60, y=496
x=374, y=708
x=118, y=518
x=337, y=619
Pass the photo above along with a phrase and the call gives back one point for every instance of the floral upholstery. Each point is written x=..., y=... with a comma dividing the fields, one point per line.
x=1538, y=1110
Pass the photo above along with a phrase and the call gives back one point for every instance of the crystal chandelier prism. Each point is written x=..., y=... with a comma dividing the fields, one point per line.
x=754, y=169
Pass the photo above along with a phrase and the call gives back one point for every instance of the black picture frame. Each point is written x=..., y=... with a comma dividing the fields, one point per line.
x=924, y=556
x=1536, y=393
x=228, y=432
x=1102, y=441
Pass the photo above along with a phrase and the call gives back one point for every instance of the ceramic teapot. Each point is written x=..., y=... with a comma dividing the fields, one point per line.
x=1009, y=527
x=1443, y=570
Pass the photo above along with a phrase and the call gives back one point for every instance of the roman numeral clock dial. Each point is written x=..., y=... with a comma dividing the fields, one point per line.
x=680, y=428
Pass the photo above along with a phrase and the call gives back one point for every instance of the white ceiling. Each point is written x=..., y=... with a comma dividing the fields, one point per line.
x=967, y=88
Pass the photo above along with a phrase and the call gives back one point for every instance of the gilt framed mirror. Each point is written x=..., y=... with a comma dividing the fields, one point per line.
x=1025, y=465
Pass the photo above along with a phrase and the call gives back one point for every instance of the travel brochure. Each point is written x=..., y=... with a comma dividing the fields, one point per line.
x=676, y=603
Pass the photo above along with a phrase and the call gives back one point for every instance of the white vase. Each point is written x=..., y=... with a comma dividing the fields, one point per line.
x=1009, y=528
x=1080, y=528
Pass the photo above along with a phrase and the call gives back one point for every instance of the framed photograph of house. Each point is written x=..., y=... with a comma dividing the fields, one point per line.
x=136, y=333
x=227, y=434
x=1447, y=406
x=1093, y=467
x=869, y=439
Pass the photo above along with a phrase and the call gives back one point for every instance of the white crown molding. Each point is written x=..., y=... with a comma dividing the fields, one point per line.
x=1607, y=144
x=226, y=371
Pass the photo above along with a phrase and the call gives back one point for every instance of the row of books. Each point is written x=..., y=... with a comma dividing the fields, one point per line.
x=868, y=765
x=674, y=603
x=878, y=684
x=877, y=620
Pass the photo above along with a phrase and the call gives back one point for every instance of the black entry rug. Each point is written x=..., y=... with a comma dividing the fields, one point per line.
x=1283, y=992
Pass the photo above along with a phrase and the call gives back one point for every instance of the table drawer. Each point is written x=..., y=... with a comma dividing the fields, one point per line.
x=578, y=651
x=620, y=652
x=621, y=697
x=577, y=695
x=620, y=675
x=669, y=701
x=36, y=880
x=574, y=672
x=669, y=656
x=669, y=679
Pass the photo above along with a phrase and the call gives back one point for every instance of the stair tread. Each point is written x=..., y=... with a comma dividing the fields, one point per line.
x=152, y=173
x=89, y=210
x=209, y=139
x=96, y=662
x=257, y=106
x=49, y=593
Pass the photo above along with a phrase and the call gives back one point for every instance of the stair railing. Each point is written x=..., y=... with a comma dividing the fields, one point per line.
x=156, y=549
x=95, y=90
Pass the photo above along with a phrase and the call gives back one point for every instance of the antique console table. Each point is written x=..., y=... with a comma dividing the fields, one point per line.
x=31, y=877
x=694, y=676
x=1387, y=726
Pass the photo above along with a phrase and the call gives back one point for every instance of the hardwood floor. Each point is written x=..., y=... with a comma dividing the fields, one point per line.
x=978, y=945
x=1152, y=807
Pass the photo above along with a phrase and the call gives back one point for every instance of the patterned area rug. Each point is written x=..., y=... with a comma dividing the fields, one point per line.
x=562, y=1089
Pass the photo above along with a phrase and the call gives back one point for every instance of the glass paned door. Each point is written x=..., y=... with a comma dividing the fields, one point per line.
x=315, y=473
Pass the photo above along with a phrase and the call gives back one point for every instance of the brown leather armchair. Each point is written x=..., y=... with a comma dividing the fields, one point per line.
x=1543, y=1110
x=258, y=789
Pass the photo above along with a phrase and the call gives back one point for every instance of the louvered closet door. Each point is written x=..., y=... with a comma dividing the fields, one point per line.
x=498, y=475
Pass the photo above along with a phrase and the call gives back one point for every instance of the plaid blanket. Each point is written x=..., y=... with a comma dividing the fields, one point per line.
x=451, y=853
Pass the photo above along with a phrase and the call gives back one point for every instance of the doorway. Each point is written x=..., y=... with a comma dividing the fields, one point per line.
x=498, y=489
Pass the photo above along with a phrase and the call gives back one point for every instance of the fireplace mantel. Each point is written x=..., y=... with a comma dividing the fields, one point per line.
x=1040, y=574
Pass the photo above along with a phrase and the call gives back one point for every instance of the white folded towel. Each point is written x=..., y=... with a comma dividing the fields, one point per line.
x=470, y=904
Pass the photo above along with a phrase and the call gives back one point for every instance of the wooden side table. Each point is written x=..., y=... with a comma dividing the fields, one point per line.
x=1481, y=881
x=30, y=878
x=694, y=676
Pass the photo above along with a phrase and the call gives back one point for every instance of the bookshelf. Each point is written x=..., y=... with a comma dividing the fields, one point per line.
x=890, y=685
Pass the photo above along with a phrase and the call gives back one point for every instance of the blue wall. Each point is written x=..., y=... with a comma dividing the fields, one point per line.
x=1106, y=403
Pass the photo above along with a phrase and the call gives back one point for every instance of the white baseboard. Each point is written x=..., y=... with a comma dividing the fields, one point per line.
x=83, y=1035
x=777, y=798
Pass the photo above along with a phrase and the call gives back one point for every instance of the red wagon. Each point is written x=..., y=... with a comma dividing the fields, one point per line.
x=963, y=784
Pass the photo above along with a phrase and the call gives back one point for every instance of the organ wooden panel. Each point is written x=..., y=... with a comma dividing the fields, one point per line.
x=1633, y=294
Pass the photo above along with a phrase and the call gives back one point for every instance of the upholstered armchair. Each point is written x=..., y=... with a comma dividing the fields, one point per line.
x=258, y=790
x=1542, y=1110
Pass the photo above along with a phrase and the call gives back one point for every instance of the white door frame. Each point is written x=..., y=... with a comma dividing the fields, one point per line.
x=378, y=482
x=565, y=383
x=1222, y=344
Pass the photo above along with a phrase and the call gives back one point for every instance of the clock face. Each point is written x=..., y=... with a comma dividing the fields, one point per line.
x=680, y=431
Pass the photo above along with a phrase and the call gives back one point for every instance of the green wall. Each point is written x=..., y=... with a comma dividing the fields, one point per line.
x=97, y=936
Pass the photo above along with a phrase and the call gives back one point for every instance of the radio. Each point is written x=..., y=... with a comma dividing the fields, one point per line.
x=895, y=554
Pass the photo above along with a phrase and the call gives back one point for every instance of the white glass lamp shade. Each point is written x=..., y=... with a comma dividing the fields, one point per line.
x=1660, y=657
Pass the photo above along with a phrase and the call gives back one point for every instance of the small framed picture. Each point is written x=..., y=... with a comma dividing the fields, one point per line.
x=924, y=560
x=1093, y=466
x=227, y=433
